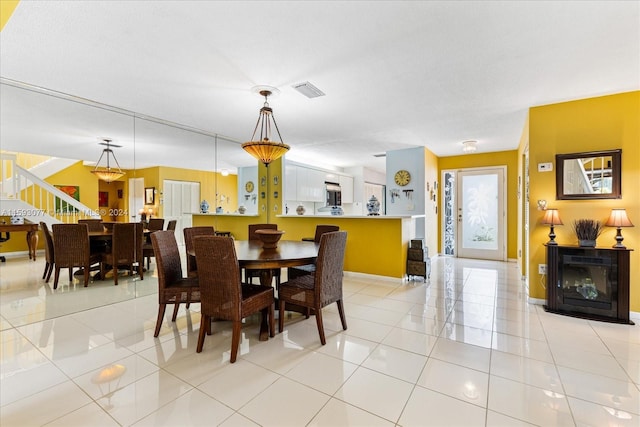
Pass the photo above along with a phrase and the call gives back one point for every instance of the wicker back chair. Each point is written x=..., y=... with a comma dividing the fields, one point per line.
x=221, y=292
x=250, y=274
x=293, y=272
x=171, y=225
x=172, y=287
x=71, y=249
x=155, y=224
x=93, y=224
x=189, y=234
x=48, y=252
x=321, y=288
x=126, y=250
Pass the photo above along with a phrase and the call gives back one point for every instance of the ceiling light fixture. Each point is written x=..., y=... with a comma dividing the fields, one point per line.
x=469, y=146
x=265, y=149
x=108, y=173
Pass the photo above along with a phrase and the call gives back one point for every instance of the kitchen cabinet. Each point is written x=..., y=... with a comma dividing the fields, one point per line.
x=291, y=182
x=346, y=186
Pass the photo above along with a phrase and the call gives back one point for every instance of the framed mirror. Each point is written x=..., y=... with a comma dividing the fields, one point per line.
x=591, y=175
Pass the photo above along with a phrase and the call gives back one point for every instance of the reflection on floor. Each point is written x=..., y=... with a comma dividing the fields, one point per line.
x=463, y=349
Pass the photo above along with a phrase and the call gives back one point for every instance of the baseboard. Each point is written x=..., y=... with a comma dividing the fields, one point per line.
x=365, y=276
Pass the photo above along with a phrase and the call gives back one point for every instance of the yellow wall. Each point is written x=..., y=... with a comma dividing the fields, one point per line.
x=6, y=10
x=508, y=158
x=431, y=176
x=602, y=123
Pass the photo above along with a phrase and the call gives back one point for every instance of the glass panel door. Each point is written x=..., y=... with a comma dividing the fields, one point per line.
x=481, y=216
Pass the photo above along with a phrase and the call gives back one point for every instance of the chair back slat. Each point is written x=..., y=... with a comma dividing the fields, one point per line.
x=155, y=224
x=218, y=276
x=330, y=266
x=127, y=240
x=324, y=228
x=71, y=244
x=93, y=224
x=167, y=256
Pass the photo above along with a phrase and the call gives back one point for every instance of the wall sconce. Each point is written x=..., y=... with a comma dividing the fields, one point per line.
x=551, y=218
x=542, y=205
x=618, y=219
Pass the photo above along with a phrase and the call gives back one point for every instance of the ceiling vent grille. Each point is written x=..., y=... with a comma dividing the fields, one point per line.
x=308, y=90
x=380, y=155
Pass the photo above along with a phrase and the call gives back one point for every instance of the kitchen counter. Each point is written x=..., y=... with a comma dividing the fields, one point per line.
x=375, y=244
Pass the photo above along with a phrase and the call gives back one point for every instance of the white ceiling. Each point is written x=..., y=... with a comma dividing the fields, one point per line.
x=396, y=74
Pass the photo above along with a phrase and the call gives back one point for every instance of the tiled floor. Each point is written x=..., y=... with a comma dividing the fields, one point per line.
x=464, y=349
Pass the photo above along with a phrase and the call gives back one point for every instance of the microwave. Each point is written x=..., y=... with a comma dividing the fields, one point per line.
x=334, y=194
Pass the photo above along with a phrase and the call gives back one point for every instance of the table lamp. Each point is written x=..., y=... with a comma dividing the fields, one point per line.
x=618, y=219
x=551, y=218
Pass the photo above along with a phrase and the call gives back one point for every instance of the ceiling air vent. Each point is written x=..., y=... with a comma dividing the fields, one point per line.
x=380, y=155
x=308, y=90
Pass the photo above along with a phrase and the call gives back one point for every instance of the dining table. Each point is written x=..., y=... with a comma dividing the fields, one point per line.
x=288, y=253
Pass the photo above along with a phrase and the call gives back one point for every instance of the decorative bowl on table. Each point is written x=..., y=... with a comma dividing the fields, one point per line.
x=269, y=238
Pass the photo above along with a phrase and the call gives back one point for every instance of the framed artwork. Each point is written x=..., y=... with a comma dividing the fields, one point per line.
x=103, y=199
x=149, y=195
x=71, y=191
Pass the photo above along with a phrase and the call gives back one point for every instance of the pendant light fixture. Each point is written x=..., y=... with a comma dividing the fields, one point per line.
x=265, y=149
x=108, y=173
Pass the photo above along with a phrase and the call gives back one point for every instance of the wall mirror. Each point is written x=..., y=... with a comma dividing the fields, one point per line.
x=591, y=175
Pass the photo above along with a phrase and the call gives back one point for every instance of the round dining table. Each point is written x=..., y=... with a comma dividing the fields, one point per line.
x=289, y=253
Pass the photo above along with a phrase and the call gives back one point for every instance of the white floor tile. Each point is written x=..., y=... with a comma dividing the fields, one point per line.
x=337, y=413
x=429, y=408
x=456, y=381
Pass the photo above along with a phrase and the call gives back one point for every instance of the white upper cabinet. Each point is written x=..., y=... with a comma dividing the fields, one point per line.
x=346, y=186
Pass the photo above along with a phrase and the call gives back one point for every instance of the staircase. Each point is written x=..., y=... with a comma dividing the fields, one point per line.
x=23, y=194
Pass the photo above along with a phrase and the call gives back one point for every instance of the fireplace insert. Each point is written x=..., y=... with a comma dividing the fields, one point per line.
x=588, y=282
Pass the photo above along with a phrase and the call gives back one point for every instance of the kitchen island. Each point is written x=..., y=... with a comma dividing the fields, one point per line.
x=375, y=244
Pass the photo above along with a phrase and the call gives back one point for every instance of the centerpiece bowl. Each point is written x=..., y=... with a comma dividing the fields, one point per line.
x=269, y=238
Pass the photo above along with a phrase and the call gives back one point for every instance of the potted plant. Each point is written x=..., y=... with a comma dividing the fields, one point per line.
x=587, y=231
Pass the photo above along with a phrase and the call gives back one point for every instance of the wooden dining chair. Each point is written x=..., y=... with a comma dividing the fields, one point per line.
x=189, y=234
x=71, y=250
x=293, y=272
x=173, y=288
x=222, y=294
x=93, y=224
x=249, y=274
x=147, y=247
x=171, y=225
x=155, y=224
x=125, y=250
x=324, y=287
x=48, y=252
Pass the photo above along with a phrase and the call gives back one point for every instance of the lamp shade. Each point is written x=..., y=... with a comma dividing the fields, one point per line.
x=618, y=218
x=551, y=217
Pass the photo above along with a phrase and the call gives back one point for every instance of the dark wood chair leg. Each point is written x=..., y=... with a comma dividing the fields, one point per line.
x=203, y=330
x=161, y=310
x=235, y=340
x=318, y=313
x=281, y=316
x=272, y=321
x=56, y=277
x=86, y=276
x=343, y=319
x=175, y=311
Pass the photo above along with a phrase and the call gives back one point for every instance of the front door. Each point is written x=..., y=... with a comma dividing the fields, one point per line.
x=481, y=213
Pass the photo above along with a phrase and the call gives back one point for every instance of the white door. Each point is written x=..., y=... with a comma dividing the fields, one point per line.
x=180, y=200
x=136, y=198
x=481, y=227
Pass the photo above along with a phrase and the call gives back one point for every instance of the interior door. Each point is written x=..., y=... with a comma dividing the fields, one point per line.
x=136, y=198
x=181, y=199
x=480, y=203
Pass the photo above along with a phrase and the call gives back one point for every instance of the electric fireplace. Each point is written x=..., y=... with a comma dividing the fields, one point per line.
x=588, y=282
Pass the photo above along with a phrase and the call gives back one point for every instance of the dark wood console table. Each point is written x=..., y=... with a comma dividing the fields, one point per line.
x=32, y=235
x=586, y=282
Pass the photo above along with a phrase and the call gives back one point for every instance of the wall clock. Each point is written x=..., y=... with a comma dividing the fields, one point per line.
x=402, y=177
x=249, y=186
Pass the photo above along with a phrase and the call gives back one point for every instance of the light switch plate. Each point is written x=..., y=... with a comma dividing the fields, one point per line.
x=545, y=167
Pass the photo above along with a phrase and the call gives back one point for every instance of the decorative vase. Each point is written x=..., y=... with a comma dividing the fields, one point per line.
x=587, y=243
x=373, y=206
x=219, y=210
x=204, y=206
x=300, y=210
x=242, y=209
